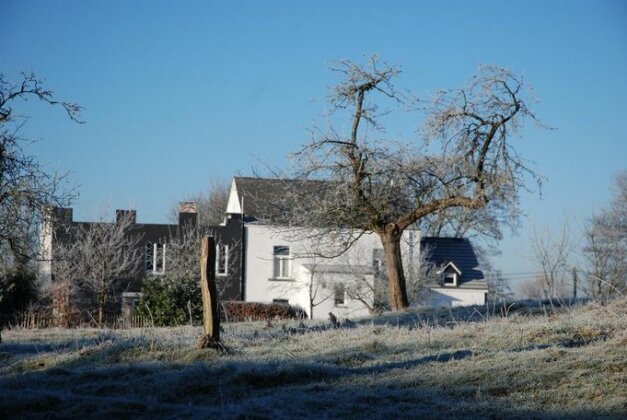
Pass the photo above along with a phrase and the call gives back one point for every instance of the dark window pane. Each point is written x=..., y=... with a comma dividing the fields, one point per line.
x=281, y=250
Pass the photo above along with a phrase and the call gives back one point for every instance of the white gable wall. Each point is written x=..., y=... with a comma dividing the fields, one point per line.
x=234, y=206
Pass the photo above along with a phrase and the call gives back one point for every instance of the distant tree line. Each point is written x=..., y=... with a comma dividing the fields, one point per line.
x=600, y=272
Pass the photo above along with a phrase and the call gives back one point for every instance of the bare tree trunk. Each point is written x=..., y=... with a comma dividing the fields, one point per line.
x=397, y=288
x=102, y=305
x=210, y=312
x=100, y=315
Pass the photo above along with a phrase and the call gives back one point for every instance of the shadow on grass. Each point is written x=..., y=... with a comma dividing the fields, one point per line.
x=249, y=390
x=97, y=386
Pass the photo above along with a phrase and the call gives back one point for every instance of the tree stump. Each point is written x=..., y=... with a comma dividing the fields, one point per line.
x=210, y=311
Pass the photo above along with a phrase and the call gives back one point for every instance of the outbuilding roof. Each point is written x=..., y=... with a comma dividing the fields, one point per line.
x=439, y=252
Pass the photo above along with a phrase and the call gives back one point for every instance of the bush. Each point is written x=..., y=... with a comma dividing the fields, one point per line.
x=18, y=290
x=234, y=311
x=167, y=300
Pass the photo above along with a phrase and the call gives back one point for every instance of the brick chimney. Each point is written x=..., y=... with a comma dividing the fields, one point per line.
x=188, y=213
x=62, y=215
x=122, y=214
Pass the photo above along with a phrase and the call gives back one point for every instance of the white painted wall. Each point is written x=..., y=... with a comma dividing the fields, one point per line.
x=326, y=299
x=452, y=297
x=261, y=287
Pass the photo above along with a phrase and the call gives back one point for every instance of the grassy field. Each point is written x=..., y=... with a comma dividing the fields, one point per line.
x=533, y=363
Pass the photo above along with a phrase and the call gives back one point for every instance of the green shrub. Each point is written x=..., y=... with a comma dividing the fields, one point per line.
x=167, y=300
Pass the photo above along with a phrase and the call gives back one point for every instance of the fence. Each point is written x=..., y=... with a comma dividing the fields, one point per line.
x=31, y=321
x=40, y=320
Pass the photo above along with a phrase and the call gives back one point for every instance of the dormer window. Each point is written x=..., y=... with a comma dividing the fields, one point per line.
x=450, y=279
x=450, y=275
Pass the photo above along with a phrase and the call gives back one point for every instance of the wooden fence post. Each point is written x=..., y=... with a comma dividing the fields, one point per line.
x=210, y=311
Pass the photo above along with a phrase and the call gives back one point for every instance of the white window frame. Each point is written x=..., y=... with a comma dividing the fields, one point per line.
x=448, y=275
x=225, y=272
x=154, y=257
x=284, y=263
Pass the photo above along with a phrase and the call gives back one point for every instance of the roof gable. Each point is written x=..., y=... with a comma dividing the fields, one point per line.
x=234, y=204
x=452, y=266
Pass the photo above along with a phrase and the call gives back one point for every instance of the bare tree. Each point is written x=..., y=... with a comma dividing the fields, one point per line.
x=551, y=252
x=421, y=274
x=498, y=285
x=350, y=275
x=464, y=159
x=360, y=277
x=25, y=187
x=98, y=262
x=183, y=258
x=605, y=246
x=533, y=288
x=211, y=203
x=316, y=287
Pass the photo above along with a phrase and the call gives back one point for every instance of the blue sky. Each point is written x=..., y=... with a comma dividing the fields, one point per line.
x=177, y=93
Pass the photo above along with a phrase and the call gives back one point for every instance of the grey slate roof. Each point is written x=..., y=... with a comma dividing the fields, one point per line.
x=439, y=251
x=269, y=199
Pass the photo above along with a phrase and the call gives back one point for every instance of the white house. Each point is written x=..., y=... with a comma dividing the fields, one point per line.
x=281, y=266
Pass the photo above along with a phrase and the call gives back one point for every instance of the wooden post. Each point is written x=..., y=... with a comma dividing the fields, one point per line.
x=210, y=313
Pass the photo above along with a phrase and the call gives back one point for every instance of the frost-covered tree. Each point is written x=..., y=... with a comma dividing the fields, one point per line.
x=463, y=158
x=97, y=262
x=25, y=186
x=183, y=259
x=605, y=245
x=551, y=252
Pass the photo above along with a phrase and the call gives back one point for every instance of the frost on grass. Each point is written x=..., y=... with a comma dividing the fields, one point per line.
x=569, y=361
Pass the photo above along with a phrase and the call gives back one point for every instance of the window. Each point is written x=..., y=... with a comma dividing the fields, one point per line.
x=340, y=295
x=450, y=279
x=222, y=259
x=281, y=301
x=155, y=258
x=281, y=257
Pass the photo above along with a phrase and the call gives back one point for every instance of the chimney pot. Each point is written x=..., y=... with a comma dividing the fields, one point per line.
x=188, y=213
